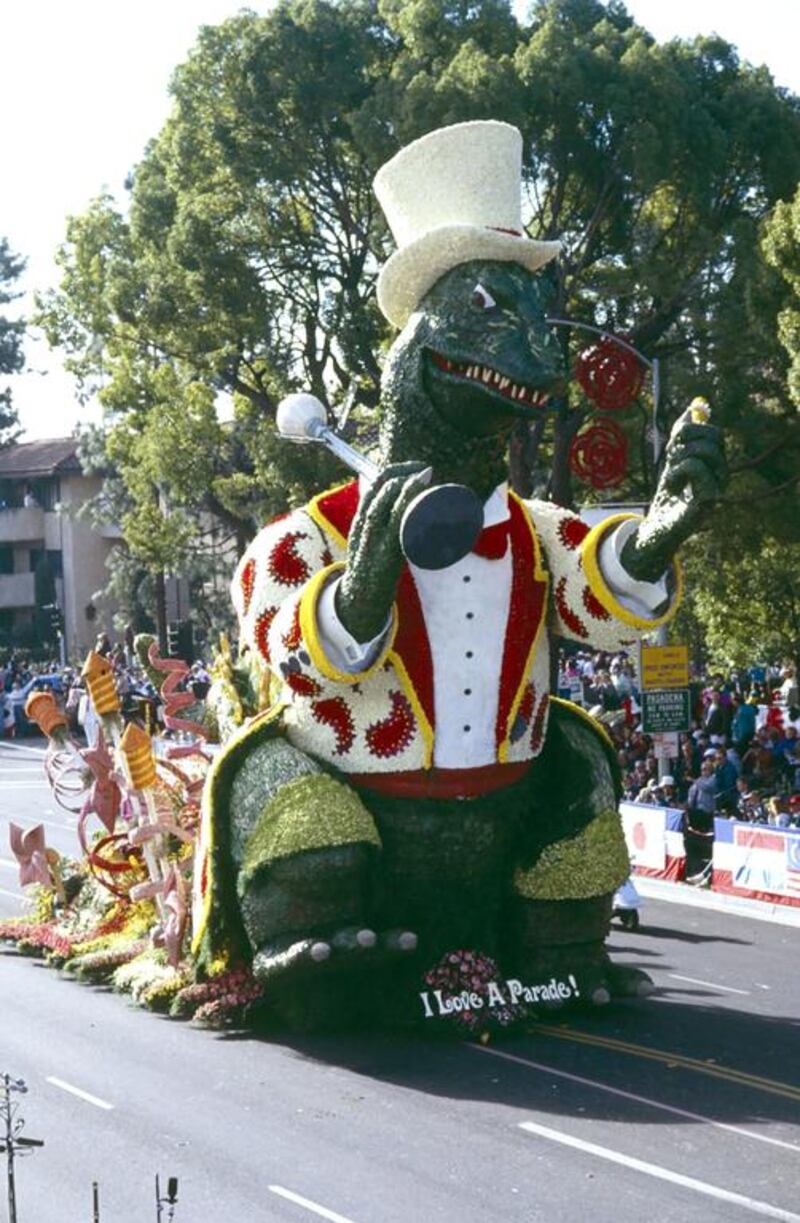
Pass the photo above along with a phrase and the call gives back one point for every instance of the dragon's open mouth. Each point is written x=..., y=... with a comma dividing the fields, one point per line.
x=493, y=380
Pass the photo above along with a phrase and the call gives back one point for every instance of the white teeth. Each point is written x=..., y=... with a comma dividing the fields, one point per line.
x=504, y=382
x=486, y=374
x=514, y=391
x=496, y=378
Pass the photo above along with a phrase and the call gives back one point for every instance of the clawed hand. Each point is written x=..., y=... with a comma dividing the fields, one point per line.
x=693, y=476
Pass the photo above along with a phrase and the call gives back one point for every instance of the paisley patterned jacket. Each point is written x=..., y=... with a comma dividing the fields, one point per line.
x=382, y=720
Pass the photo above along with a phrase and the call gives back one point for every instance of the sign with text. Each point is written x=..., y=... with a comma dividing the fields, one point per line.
x=665, y=711
x=665, y=666
x=665, y=745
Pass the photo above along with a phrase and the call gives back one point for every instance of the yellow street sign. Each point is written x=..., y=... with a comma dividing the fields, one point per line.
x=665, y=666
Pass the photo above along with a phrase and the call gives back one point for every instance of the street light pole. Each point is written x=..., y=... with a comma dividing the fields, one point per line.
x=170, y=1198
x=11, y=1139
x=653, y=366
x=660, y=633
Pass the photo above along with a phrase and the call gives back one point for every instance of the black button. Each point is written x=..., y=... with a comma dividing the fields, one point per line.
x=467, y=578
x=469, y=654
x=467, y=728
x=470, y=615
x=467, y=692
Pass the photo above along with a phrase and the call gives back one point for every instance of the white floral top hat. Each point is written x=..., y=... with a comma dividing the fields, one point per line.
x=452, y=196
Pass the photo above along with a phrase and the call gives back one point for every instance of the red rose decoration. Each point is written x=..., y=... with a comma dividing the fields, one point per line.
x=610, y=376
x=599, y=455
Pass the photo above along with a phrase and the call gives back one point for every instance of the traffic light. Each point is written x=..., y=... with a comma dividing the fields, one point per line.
x=173, y=639
x=55, y=618
x=180, y=640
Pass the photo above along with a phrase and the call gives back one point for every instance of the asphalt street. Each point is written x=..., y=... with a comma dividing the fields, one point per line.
x=685, y=1106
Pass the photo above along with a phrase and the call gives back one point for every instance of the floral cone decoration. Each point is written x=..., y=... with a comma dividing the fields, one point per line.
x=29, y=849
x=599, y=455
x=610, y=375
x=42, y=709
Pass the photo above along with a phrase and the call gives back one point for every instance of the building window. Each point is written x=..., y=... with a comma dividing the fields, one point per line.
x=6, y=558
x=54, y=559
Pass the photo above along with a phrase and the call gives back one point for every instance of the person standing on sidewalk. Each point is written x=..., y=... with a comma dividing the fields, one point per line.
x=698, y=834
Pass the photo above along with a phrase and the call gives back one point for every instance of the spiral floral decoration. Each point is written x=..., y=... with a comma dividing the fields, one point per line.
x=609, y=375
x=599, y=454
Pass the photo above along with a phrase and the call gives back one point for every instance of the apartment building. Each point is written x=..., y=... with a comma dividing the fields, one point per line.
x=41, y=489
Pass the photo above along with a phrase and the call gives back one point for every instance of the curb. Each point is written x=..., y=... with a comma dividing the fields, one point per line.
x=702, y=898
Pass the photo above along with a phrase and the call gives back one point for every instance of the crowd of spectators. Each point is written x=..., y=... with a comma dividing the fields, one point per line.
x=139, y=699
x=740, y=759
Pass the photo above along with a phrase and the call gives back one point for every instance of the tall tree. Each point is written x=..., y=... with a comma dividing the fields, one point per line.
x=246, y=263
x=748, y=604
x=12, y=332
x=781, y=245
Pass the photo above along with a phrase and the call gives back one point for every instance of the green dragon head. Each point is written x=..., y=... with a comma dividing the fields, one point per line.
x=475, y=357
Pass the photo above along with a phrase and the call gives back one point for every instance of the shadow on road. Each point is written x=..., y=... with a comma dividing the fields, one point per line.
x=751, y=1075
x=686, y=936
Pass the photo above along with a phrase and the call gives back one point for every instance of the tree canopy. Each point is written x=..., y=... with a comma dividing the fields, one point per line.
x=12, y=332
x=245, y=263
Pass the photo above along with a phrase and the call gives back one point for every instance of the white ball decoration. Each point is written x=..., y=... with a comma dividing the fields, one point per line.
x=297, y=414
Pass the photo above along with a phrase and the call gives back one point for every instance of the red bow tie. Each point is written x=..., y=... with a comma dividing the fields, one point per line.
x=492, y=541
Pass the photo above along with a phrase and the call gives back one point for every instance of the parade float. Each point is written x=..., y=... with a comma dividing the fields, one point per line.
x=382, y=815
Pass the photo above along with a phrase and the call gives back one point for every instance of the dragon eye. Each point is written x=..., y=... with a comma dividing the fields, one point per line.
x=482, y=297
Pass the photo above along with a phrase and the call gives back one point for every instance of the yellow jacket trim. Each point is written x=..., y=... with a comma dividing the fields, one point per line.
x=541, y=574
x=600, y=590
x=596, y=726
x=207, y=844
x=325, y=524
x=308, y=627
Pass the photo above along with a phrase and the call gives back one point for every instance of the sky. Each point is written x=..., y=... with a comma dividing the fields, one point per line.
x=83, y=87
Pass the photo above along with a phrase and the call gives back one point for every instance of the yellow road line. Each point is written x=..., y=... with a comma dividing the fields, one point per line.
x=755, y=1081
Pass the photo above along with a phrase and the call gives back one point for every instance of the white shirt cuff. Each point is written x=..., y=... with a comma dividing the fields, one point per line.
x=344, y=652
x=642, y=598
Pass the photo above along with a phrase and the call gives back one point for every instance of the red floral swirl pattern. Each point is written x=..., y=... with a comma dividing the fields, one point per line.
x=599, y=454
x=593, y=605
x=570, y=619
x=302, y=685
x=247, y=581
x=572, y=531
x=609, y=375
x=538, y=724
x=285, y=564
x=333, y=712
x=262, y=628
x=390, y=736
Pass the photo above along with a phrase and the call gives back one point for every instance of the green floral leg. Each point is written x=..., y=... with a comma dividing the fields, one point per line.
x=562, y=903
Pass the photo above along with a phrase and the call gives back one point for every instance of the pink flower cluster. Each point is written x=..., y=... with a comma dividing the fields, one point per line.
x=472, y=972
x=33, y=937
x=220, y=1000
